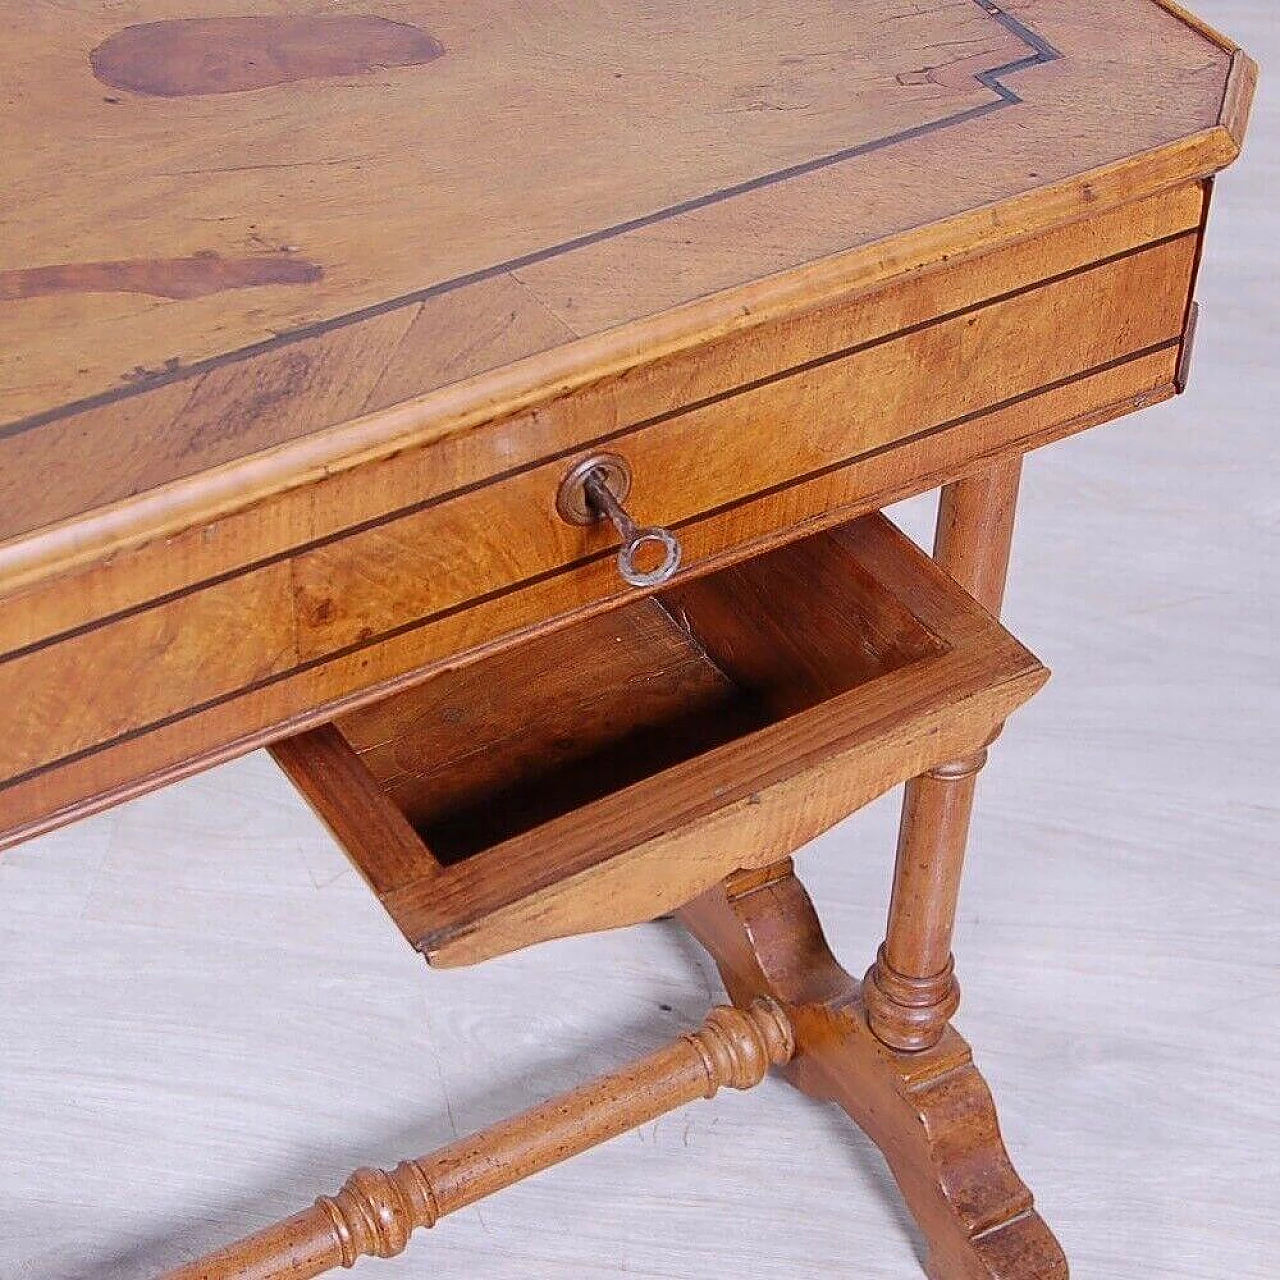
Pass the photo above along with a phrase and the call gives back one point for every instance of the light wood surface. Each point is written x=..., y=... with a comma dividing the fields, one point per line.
x=1119, y=1090
x=179, y=1036
x=270, y=228
x=377, y=1211
x=717, y=726
x=910, y=992
x=929, y=1111
x=301, y=631
x=215, y=304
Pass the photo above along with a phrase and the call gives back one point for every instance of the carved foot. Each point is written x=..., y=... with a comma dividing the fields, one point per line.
x=930, y=1112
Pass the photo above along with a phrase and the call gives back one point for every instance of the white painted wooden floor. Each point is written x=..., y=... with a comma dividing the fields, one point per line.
x=205, y=1020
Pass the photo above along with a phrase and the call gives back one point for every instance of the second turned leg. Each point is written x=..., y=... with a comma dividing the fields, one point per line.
x=929, y=1112
x=911, y=990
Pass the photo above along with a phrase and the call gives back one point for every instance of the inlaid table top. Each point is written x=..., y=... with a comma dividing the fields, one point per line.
x=226, y=234
x=254, y=253
x=353, y=354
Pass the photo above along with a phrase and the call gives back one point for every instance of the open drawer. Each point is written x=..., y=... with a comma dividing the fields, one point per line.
x=611, y=771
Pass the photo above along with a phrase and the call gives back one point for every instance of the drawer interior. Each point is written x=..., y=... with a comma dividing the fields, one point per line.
x=498, y=748
x=576, y=780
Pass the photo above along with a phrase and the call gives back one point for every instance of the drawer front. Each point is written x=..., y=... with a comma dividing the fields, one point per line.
x=754, y=441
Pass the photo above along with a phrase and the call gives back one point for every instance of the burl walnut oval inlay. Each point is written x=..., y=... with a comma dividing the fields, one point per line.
x=186, y=57
x=177, y=278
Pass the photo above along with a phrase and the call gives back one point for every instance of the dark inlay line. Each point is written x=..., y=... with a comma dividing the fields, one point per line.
x=1005, y=97
x=1045, y=52
x=1168, y=344
x=442, y=615
x=584, y=446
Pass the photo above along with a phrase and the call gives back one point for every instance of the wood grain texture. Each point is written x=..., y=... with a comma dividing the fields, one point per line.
x=1138, y=123
x=389, y=598
x=477, y=756
x=324, y=767
x=134, y=765
x=173, y=278
x=994, y=1239
x=190, y=57
x=377, y=1211
x=775, y=698
x=151, y=953
x=457, y=450
x=760, y=89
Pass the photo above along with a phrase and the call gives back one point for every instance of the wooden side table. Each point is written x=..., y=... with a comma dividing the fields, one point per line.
x=489, y=411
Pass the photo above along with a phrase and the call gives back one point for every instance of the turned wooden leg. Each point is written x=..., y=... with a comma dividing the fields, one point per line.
x=910, y=990
x=929, y=1112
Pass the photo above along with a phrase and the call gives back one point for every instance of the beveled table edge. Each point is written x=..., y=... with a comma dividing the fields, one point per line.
x=191, y=501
